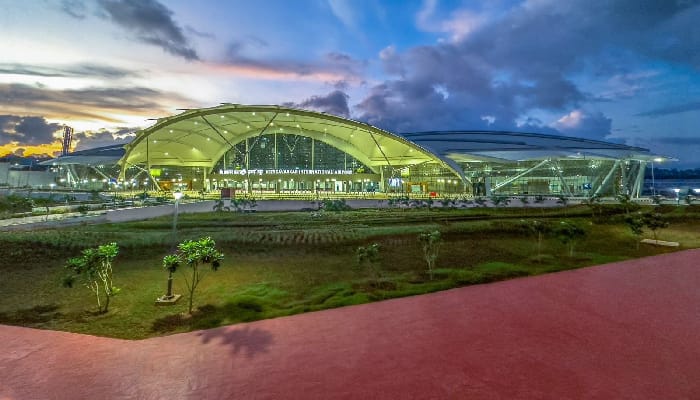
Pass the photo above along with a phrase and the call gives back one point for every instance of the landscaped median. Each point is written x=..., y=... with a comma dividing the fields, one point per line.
x=279, y=264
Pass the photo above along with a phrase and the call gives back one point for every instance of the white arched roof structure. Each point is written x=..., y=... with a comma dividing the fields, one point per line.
x=503, y=146
x=200, y=137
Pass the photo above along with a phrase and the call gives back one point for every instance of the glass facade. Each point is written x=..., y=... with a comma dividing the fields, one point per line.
x=275, y=150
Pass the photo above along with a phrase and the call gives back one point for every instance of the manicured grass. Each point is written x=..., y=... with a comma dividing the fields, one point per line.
x=287, y=263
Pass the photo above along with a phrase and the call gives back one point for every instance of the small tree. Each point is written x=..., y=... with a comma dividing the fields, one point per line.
x=568, y=233
x=654, y=221
x=94, y=269
x=45, y=202
x=431, y=242
x=636, y=225
x=539, y=229
x=170, y=264
x=219, y=206
x=593, y=202
x=563, y=200
x=446, y=202
x=499, y=200
x=195, y=253
x=368, y=257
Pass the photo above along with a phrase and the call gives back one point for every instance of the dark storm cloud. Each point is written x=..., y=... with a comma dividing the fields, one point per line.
x=74, y=8
x=671, y=110
x=26, y=130
x=684, y=141
x=82, y=100
x=74, y=70
x=205, y=35
x=335, y=102
x=524, y=62
x=336, y=68
x=90, y=139
x=151, y=22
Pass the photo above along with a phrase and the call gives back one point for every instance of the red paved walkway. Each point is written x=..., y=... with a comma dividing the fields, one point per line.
x=627, y=330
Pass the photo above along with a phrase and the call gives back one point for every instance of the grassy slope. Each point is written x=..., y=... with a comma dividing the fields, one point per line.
x=286, y=263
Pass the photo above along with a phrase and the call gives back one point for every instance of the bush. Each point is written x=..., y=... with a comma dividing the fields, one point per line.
x=335, y=205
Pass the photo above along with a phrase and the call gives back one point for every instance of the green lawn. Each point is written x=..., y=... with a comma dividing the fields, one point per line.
x=286, y=263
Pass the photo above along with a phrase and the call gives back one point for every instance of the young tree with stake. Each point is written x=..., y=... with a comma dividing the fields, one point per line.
x=431, y=242
x=194, y=253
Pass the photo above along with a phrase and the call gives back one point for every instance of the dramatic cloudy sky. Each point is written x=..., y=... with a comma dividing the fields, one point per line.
x=626, y=71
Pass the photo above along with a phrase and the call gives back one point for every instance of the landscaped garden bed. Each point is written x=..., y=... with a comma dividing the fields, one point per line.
x=278, y=264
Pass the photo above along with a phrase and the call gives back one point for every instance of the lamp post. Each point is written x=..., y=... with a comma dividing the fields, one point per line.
x=177, y=196
x=678, y=197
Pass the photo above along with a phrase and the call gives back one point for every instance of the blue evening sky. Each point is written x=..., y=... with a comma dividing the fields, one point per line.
x=626, y=71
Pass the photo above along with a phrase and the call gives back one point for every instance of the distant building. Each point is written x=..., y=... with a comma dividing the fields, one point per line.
x=17, y=172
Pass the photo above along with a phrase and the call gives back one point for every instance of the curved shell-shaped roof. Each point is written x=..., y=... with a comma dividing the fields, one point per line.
x=200, y=137
x=502, y=146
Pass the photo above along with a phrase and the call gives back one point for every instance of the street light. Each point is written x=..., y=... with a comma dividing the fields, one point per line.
x=678, y=197
x=653, y=187
x=177, y=196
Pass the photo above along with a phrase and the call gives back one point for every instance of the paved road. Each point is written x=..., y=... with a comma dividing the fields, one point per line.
x=628, y=330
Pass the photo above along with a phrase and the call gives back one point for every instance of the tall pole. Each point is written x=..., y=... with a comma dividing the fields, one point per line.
x=178, y=196
x=653, y=188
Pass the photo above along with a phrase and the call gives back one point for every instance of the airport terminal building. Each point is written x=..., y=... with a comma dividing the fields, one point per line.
x=276, y=150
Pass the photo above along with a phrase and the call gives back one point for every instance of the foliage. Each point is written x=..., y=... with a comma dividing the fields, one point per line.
x=94, y=269
x=569, y=233
x=654, y=221
x=499, y=200
x=45, y=202
x=480, y=201
x=368, y=257
x=15, y=204
x=539, y=199
x=290, y=264
x=194, y=253
x=539, y=229
x=171, y=262
x=563, y=200
x=447, y=202
x=593, y=202
x=244, y=204
x=334, y=205
x=626, y=202
x=219, y=206
x=524, y=201
x=430, y=242
x=636, y=225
